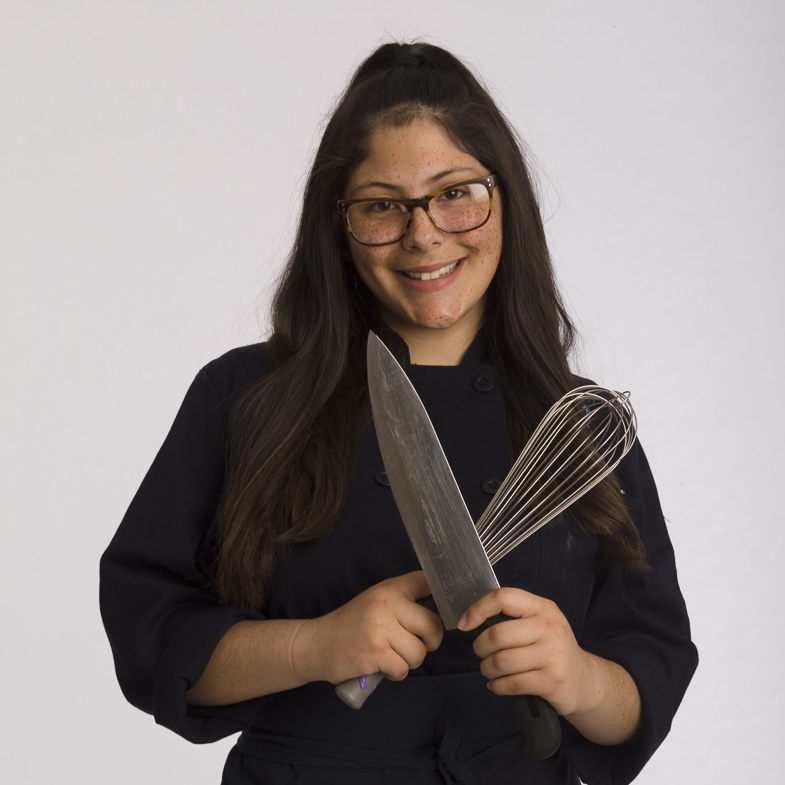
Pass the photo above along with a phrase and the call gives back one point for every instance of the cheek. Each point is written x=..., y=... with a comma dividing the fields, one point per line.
x=495, y=244
x=368, y=262
x=497, y=233
x=491, y=246
x=488, y=239
x=362, y=258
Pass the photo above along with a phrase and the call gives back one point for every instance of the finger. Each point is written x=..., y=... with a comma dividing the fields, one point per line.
x=393, y=666
x=529, y=683
x=547, y=628
x=518, y=659
x=417, y=585
x=510, y=634
x=423, y=623
x=515, y=603
x=411, y=585
x=428, y=628
x=406, y=653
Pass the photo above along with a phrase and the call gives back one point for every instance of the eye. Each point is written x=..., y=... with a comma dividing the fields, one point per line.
x=452, y=194
x=380, y=207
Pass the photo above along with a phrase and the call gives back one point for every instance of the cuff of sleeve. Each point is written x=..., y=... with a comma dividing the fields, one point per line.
x=181, y=665
x=620, y=764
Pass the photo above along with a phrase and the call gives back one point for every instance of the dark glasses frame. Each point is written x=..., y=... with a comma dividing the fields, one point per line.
x=489, y=181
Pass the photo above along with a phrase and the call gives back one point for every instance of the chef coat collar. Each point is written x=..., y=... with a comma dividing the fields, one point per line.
x=476, y=354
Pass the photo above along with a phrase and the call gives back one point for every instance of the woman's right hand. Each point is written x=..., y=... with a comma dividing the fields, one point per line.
x=381, y=630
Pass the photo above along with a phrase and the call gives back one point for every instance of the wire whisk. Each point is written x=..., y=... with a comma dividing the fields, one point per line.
x=578, y=443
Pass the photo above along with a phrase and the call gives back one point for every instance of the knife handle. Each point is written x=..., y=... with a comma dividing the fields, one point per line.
x=536, y=718
x=354, y=692
x=538, y=724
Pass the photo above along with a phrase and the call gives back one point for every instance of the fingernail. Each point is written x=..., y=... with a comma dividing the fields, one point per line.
x=462, y=623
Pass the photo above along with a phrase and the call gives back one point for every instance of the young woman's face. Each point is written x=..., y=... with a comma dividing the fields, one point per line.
x=429, y=280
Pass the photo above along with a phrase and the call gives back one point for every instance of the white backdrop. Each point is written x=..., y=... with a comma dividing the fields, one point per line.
x=151, y=156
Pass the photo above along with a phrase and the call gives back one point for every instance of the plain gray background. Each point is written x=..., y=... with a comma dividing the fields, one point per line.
x=151, y=158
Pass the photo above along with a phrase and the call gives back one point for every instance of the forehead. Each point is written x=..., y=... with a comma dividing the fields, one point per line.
x=414, y=157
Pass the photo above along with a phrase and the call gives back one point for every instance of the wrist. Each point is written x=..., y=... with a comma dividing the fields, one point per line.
x=301, y=663
x=608, y=710
x=591, y=683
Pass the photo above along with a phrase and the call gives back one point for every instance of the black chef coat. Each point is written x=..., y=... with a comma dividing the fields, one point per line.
x=439, y=725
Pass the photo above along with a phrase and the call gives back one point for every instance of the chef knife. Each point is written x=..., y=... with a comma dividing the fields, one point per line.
x=440, y=527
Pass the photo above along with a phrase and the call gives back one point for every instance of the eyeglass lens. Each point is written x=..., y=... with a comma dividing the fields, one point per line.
x=458, y=209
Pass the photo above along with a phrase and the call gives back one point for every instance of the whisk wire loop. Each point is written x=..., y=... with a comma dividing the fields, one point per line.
x=579, y=441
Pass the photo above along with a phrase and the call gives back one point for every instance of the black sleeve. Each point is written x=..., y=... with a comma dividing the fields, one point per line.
x=162, y=622
x=639, y=621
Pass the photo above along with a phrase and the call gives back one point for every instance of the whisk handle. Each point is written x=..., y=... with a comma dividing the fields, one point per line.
x=536, y=718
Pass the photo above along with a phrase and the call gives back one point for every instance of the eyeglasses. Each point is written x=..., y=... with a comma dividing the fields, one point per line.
x=455, y=209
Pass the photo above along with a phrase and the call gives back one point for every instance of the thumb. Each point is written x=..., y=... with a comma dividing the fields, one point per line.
x=414, y=585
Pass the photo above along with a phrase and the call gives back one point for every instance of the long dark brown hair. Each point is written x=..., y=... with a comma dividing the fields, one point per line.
x=294, y=436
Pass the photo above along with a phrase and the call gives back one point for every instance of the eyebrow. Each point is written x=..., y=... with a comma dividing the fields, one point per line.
x=429, y=182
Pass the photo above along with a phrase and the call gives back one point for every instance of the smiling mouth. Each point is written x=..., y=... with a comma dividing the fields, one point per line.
x=440, y=273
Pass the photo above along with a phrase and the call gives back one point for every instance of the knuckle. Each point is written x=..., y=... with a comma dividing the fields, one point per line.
x=397, y=674
x=504, y=661
x=495, y=664
x=382, y=597
x=558, y=674
x=496, y=634
x=515, y=685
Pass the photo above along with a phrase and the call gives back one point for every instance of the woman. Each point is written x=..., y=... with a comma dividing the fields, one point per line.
x=263, y=560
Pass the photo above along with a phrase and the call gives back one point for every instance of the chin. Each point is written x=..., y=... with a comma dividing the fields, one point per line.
x=439, y=324
x=436, y=320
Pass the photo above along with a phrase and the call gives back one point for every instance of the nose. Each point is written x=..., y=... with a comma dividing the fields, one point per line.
x=422, y=232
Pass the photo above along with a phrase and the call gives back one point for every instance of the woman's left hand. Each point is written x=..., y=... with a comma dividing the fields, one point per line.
x=535, y=653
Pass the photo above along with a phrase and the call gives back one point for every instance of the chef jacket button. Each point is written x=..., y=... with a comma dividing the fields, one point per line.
x=491, y=486
x=482, y=383
x=382, y=479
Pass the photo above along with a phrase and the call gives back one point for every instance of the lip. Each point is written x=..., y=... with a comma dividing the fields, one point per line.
x=434, y=284
x=427, y=269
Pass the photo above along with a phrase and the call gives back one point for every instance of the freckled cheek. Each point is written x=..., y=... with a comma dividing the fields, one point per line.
x=491, y=247
x=374, y=272
x=497, y=245
x=366, y=261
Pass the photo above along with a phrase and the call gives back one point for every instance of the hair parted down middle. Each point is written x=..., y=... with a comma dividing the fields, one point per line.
x=294, y=437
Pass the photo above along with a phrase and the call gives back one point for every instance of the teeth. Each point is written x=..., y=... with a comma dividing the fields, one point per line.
x=435, y=274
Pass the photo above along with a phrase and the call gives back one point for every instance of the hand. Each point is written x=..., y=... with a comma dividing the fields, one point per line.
x=381, y=630
x=533, y=653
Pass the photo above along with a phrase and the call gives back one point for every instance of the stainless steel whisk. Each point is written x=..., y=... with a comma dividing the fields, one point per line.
x=578, y=443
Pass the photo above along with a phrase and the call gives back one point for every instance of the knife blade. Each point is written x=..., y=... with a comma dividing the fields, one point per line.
x=439, y=526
